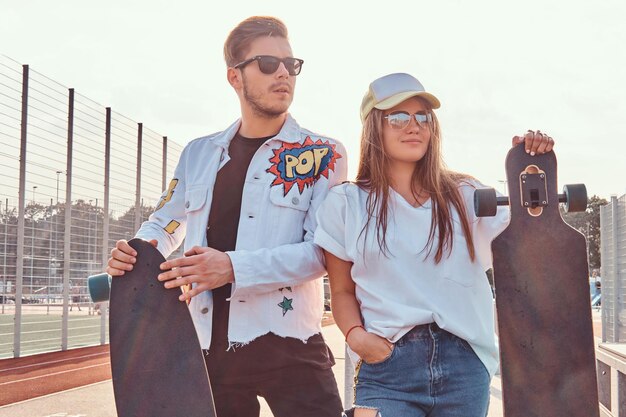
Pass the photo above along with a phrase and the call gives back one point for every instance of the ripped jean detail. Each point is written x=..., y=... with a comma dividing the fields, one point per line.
x=350, y=412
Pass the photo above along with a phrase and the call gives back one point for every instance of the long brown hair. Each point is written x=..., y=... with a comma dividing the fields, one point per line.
x=430, y=173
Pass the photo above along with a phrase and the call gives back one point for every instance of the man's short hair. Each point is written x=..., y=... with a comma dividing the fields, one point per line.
x=240, y=38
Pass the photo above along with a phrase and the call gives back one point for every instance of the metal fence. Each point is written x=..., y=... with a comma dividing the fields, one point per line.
x=76, y=177
x=613, y=273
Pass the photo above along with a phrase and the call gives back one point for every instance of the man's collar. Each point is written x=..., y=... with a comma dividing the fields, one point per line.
x=289, y=133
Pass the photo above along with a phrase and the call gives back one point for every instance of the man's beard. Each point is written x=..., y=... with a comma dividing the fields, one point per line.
x=258, y=108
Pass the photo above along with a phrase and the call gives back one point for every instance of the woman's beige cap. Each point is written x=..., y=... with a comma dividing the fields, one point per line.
x=391, y=90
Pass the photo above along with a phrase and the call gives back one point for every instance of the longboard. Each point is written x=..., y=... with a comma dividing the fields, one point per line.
x=157, y=364
x=542, y=294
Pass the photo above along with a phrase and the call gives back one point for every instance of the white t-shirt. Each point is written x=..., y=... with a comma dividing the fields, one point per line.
x=407, y=288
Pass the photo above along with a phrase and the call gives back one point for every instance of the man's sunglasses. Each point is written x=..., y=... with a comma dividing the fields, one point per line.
x=401, y=119
x=269, y=64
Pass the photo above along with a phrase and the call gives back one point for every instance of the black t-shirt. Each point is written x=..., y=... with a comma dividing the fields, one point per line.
x=269, y=352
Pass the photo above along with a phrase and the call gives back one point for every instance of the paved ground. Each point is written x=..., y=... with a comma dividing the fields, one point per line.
x=97, y=400
x=38, y=375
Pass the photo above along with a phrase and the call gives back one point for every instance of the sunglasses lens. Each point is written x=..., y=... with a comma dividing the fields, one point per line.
x=402, y=119
x=268, y=64
x=422, y=118
x=293, y=65
x=398, y=120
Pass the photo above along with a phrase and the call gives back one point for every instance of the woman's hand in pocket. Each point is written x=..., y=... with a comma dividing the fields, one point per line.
x=370, y=347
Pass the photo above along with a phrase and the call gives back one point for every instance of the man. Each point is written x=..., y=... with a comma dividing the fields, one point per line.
x=595, y=284
x=592, y=282
x=75, y=290
x=244, y=200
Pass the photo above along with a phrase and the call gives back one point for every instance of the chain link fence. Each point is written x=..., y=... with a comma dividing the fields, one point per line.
x=613, y=253
x=76, y=177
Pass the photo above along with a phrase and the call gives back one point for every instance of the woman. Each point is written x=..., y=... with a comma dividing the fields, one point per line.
x=406, y=257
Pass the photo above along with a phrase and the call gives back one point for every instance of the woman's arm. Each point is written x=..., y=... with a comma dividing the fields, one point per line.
x=347, y=312
x=345, y=307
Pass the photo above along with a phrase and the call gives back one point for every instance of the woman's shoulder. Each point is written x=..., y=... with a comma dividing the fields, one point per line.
x=347, y=193
x=465, y=183
x=347, y=188
x=466, y=186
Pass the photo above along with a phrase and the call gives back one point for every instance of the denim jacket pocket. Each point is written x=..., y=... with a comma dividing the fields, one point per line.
x=195, y=198
x=293, y=199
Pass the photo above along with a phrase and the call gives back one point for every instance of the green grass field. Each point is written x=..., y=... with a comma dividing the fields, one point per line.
x=41, y=330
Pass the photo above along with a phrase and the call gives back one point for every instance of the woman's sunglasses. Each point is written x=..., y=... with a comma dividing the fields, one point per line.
x=269, y=64
x=401, y=119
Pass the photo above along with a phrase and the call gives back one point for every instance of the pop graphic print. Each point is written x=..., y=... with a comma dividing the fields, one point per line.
x=302, y=163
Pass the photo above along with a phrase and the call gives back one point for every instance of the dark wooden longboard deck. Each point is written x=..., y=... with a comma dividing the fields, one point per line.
x=156, y=360
x=542, y=300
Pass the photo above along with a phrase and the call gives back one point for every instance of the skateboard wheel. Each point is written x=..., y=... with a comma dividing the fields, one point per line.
x=575, y=197
x=99, y=287
x=485, y=202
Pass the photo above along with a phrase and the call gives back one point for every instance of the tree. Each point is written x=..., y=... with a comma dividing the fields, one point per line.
x=124, y=226
x=588, y=223
x=44, y=241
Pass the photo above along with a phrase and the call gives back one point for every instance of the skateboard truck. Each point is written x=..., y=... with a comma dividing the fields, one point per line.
x=534, y=190
x=534, y=195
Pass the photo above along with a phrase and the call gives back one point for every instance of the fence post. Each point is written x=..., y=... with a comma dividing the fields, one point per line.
x=5, y=291
x=50, y=256
x=106, y=220
x=107, y=187
x=138, y=181
x=616, y=281
x=348, y=373
x=19, y=271
x=67, y=248
x=164, y=165
x=604, y=213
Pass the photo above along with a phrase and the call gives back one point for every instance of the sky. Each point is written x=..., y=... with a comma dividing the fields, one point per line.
x=498, y=67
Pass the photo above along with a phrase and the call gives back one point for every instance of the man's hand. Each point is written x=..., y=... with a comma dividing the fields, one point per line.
x=122, y=258
x=207, y=267
x=535, y=142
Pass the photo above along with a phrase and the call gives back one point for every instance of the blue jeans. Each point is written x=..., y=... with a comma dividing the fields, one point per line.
x=430, y=372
